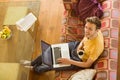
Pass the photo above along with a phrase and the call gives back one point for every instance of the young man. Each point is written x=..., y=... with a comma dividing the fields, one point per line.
x=92, y=45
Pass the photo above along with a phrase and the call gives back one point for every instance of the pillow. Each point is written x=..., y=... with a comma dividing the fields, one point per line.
x=86, y=74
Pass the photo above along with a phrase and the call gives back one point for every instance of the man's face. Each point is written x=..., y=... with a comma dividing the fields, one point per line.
x=90, y=30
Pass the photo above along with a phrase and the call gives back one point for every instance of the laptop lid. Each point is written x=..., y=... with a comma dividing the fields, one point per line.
x=46, y=53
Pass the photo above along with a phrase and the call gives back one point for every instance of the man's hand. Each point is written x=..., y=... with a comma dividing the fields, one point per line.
x=86, y=64
x=64, y=61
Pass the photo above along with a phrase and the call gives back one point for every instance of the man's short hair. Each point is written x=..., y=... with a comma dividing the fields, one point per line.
x=94, y=20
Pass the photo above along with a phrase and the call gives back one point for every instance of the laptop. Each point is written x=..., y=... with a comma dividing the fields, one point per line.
x=51, y=52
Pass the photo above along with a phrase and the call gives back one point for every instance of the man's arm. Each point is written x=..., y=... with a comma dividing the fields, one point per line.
x=86, y=64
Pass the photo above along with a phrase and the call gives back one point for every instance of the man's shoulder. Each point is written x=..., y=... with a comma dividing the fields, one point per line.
x=100, y=35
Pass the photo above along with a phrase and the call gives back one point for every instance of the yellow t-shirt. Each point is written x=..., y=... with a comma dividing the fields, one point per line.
x=93, y=48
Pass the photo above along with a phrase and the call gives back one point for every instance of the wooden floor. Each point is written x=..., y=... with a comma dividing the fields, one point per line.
x=50, y=17
x=49, y=28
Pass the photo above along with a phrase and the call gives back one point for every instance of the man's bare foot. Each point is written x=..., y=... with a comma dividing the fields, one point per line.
x=25, y=62
x=29, y=67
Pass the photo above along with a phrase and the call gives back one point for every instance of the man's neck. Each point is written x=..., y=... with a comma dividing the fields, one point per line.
x=92, y=37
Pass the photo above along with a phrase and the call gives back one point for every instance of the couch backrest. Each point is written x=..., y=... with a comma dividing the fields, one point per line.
x=107, y=64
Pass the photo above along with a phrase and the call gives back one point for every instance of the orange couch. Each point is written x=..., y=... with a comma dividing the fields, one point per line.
x=72, y=29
